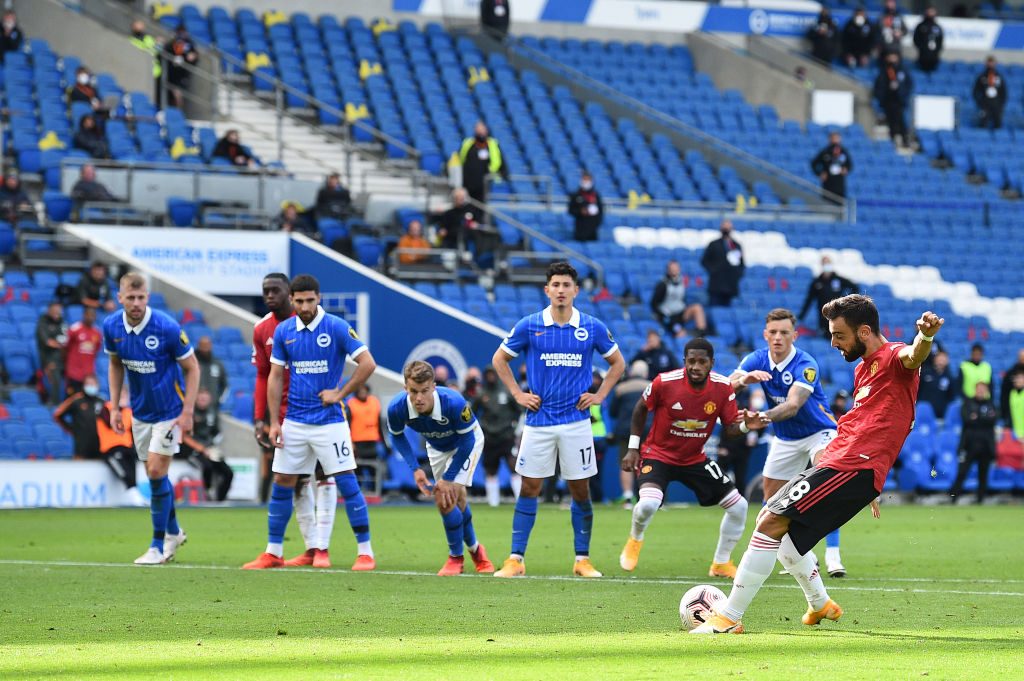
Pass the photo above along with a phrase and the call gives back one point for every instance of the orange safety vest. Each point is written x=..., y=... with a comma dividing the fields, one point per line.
x=108, y=438
x=365, y=424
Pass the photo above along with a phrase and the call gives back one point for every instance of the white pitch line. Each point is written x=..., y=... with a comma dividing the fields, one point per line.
x=604, y=580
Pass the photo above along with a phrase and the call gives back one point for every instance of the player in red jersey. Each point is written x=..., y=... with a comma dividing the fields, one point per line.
x=316, y=501
x=849, y=474
x=687, y=403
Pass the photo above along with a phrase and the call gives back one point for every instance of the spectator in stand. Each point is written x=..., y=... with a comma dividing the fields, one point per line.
x=825, y=288
x=670, y=308
x=723, y=259
x=90, y=138
x=990, y=96
x=498, y=414
x=51, y=336
x=455, y=222
x=832, y=165
x=413, y=238
x=585, y=205
x=181, y=53
x=1007, y=386
x=893, y=86
x=471, y=383
x=974, y=371
x=494, y=17
x=1014, y=413
x=824, y=37
x=230, y=148
x=625, y=395
x=11, y=38
x=333, y=200
x=480, y=156
x=152, y=47
x=14, y=202
x=928, y=40
x=87, y=187
x=366, y=422
x=859, y=39
x=83, y=91
x=291, y=220
x=77, y=416
x=938, y=387
x=840, y=403
x=93, y=289
x=212, y=374
x=977, y=440
x=202, y=450
x=656, y=356
x=443, y=377
x=891, y=28
x=83, y=346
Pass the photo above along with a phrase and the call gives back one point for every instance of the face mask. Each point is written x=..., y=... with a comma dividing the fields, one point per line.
x=9, y=25
x=827, y=269
x=91, y=390
x=586, y=185
x=83, y=79
x=859, y=21
x=726, y=233
x=481, y=138
x=676, y=279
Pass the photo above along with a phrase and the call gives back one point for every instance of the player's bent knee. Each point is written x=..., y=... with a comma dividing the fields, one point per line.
x=285, y=479
x=771, y=524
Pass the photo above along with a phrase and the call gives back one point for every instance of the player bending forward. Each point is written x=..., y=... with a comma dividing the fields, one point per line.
x=454, y=443
x=311, y=349
x=851, y=472
x=686, y=403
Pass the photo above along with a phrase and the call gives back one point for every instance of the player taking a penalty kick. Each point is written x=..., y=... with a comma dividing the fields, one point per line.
x=686, y=404
x=454, y=444
x=851, y=472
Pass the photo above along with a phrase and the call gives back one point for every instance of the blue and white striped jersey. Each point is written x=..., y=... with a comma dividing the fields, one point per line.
x=559, y=362
x=449, y=421
x=314, y=357
x=150, y=353
x=798, y=368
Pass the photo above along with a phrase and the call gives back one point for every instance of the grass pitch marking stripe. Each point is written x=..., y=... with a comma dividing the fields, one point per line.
x=570, y=578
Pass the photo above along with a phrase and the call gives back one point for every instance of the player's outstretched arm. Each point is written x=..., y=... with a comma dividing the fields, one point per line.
x=749, y=420
x=741, y=379
x=795, y=399
x=500, y=362
x=637, y=421
x=915, y=354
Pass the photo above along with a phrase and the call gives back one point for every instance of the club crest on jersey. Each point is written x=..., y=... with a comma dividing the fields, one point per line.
x=787, y=378
x=183, y=338
x=152, y=342
x=646, y=469
x=467, y=414
x=874, y=367
x=443, y=421
x=810, y=374
x=323, y=340
x=352, y=333
x=709, y=407
x=581, y=334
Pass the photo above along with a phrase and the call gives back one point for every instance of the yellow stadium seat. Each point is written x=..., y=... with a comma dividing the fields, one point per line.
x=179, y=149
x=51, y=141
x=254, y=60
x=355, y=112
x=163, y=9
x=272, y=17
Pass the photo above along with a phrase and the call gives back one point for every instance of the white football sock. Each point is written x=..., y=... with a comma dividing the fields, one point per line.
x=326, y=509
x=733, y=522
x=275, y=549
x=305, y=513
x=364, y=548
x=832, y=556
x=516, y=482
x=493, y=490
x=805, y=570
x=756, y=566
x=644, y=510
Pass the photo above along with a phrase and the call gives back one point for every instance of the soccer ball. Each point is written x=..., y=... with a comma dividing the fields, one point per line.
x=697, y=604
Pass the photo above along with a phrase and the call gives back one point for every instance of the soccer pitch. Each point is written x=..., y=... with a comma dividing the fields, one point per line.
x=933, y=592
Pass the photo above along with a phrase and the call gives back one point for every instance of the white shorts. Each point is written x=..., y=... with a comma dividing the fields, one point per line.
x=788, y=458
x=439, y=461
x=305, y=444
x=162, y=437
x=571, y=444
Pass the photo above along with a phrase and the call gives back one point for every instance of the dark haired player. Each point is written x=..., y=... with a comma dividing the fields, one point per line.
x=687, y=403
x=851, y=472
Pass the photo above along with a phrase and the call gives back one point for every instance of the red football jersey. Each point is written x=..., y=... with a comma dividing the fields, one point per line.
x=872, y=433
x=684, y=417
x=262, y=343
x=84, y=343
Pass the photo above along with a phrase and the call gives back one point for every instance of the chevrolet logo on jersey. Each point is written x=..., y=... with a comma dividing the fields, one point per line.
x=690, y=425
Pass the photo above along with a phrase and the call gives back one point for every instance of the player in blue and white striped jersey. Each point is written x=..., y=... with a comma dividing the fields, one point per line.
x=559, y=343
x=800, y=417
x=163, y=381
x=454, y=444
x=312, y=347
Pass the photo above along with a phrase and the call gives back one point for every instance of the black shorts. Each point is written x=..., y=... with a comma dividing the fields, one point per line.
x=706, y=479
x=820, y=500
x=495, y=450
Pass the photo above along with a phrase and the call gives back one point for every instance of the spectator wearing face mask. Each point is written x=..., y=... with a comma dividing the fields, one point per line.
x=723, y=260
x=928, y=41
x=824, y=37
x=585, y=205
x=480, y=156
x=824, y=288
x=11, y=38
x=892, y=92
x=83, y=91
x=990, y=96
x=77, y=417
x=181, y=53
x=859, y=39
x=832, y=165
x=891, y=28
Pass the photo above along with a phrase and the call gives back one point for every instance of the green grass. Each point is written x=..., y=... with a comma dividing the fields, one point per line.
x=934, y=592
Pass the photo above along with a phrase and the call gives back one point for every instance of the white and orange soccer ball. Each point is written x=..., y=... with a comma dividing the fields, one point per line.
x=697, y=604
